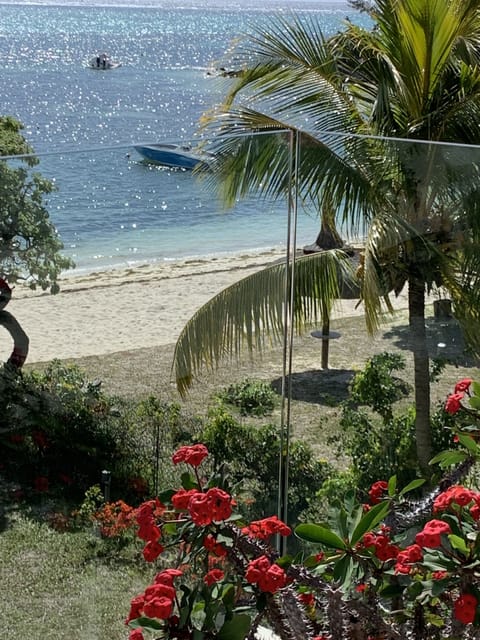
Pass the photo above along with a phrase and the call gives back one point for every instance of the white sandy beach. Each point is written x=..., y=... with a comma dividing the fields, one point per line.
x=127, y=309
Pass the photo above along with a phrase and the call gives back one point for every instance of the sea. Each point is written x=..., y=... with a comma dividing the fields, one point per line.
x=110, y=208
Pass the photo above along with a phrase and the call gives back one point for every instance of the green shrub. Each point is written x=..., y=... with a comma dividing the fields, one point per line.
x=252, y=397
x=251, y=456
x=377, y=387
x=378, y=443
x=63, y=431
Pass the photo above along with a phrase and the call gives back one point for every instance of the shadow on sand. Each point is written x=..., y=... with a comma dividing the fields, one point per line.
x=444, y=340
x=319, y=386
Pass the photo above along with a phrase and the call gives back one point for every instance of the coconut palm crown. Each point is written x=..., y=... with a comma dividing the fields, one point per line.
x=375, y=109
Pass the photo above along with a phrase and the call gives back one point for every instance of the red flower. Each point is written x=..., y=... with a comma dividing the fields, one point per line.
x=152, y=550
x=181, y=498
x=215, y=575
x=454, y=403
x=431, y=535
x=267, y=527
x=308, y=599
x=136, y=634
x=148, y=511
x=167, y=576
x=159, y=607
x=213, y=506
x=192, y=455
x=377, y=490
x=199, y=509
x=269, y=577
x=210, y=543
x=463, y=385
x=439, y=575
x=455, y=494
x=465, y=608
x=149, y=532
x=136, y=607
x=159, y=590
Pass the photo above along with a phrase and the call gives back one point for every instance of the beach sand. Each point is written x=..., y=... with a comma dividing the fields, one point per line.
x=120, y=310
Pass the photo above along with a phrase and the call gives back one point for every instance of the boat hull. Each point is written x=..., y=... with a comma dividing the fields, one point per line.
x=170, y=156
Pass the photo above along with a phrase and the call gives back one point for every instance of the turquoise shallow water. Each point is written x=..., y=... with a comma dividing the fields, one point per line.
x=110, y=208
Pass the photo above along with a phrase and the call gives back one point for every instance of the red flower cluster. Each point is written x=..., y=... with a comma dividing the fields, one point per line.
x=210, y=543
x=213, y=506
x=155, y=602
x=456, y=495
x=269, y=577
x=383, y=548
x=454, y=401
x=267, y=527
x=377, y=490
x=430, y=536
x=465, y=608
x=193, y=454
x=146, y=515
x=463, y=386
x=115, y=518
x=407, y=557
x=213, y=576
x=181, y=498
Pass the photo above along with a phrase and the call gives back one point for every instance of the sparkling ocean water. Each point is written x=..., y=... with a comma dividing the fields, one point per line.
x=111, y=209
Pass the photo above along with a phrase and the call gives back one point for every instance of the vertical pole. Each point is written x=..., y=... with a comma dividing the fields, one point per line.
x=288, y=331
x=325, y=342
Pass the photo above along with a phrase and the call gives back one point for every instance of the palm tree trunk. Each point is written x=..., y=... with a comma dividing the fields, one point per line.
x=418, y=337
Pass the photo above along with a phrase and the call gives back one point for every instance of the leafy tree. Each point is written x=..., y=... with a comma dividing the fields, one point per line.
x=29, y=243
x=411, y=75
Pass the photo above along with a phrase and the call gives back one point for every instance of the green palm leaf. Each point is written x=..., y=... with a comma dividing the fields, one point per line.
x=251, y=312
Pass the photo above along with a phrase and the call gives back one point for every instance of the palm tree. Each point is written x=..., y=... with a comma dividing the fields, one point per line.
x=356, y=102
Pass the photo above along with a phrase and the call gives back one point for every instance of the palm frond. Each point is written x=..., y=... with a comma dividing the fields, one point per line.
x=250, y=313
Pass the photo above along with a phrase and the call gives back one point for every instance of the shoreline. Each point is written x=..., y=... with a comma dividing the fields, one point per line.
x=129, y=309
x=122, y=309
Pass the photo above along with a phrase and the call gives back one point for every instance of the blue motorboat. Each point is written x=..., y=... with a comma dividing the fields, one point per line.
x=172, y=155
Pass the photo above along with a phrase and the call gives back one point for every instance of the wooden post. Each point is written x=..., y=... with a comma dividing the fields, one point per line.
x=325, y=342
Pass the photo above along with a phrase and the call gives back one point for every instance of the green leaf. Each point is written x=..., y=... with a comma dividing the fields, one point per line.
x=370, y=520
x=147, y=623
x=228, y=595
x=468, y=442
x=342, y=571
x=392, y=486
x=357, y=517
x=235, y=629
x=414, y=484
x=169, y=528
x=391, y=591
x=475, y=387
x=342, y=520
x=474, y=402
x=320, y=535
x=188, y=482
x=458, y=543
x=448, y=458
x=198, y=615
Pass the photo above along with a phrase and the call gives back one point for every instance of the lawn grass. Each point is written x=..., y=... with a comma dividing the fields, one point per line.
x=55, y=588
